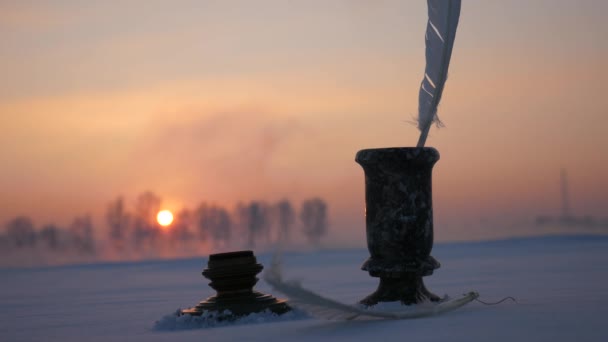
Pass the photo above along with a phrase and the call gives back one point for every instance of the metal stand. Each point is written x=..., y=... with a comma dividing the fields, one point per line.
x=233, y=276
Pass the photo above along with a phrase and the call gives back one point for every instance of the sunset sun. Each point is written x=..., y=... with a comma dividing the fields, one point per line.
x=164, y=218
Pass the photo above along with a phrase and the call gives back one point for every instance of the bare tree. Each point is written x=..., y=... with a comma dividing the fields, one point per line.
x=203, y=222
x=51, y=236
x=20, y=232
x=145, y=228
x=147, y=206
x=4, y=244
x=214, y=223
x=314, y=219
x=254, y=217
x=223, y=227
x=180, y=232
x=286, y=218
x=118, y=219
x=81, y=231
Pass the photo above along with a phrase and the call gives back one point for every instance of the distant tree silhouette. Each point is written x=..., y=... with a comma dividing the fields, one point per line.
x=20, y=232
x=314, y=219
x=145, y=228
x=214, y=223
x=223, y=227
x=203, y=222
x=5, y=246
x=180, y=231
x=147, y=206
x=250, y=223
x=81, y=231
x=51, y=236
x=254, y=217
x=118, y=220
x=286, y=217
x=241, y=221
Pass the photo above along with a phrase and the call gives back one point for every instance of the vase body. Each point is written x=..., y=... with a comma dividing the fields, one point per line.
x=399, y=221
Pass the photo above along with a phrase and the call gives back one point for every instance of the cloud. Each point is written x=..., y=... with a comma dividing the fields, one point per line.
x=230, y=150
x=21, y=16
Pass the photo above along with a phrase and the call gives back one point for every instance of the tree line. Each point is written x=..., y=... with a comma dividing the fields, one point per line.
x=134, y=231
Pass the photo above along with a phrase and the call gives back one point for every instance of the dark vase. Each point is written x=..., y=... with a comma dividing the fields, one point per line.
x=399, y=222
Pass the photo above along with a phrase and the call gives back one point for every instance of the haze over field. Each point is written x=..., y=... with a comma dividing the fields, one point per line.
x=238, y=101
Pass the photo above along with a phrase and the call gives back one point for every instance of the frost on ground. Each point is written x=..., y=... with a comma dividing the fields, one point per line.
x=560, y=282
x=320, y=306
x=177, y=321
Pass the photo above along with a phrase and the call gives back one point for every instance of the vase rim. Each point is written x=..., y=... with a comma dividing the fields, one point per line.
x=397, y=155
x=410, y=148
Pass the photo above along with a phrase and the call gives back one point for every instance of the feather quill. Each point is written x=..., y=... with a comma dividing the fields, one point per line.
x=326, y=308
x=440, y=35
x=439, y=39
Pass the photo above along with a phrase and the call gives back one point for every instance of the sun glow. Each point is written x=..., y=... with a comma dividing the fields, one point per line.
x=164, y=218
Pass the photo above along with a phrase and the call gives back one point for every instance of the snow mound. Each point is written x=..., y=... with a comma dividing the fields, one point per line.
x=177, y=321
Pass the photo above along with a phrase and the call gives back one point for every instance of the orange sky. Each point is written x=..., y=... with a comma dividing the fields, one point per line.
x=208, y=100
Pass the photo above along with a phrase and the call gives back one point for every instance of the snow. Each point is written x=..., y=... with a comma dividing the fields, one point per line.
x=176, y=321
x=560, y=282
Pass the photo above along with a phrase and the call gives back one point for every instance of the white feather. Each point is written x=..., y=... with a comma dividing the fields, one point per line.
x=326, y=308
x=439, y=39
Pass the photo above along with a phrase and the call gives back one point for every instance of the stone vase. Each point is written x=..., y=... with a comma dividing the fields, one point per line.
x=399, y=222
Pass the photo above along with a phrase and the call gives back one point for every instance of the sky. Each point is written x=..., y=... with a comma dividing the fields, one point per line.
x=227, y=101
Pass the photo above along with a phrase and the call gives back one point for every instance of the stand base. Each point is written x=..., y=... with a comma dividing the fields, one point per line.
x=233, y=276
x=408, y=290
x=240, y=304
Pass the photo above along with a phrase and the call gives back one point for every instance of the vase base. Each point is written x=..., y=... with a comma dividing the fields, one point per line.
x=239, y=305
x=388, y=268
x=233, y=276
x=408, y=290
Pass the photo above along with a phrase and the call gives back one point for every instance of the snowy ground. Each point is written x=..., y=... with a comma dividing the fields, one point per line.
x=561, y=284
